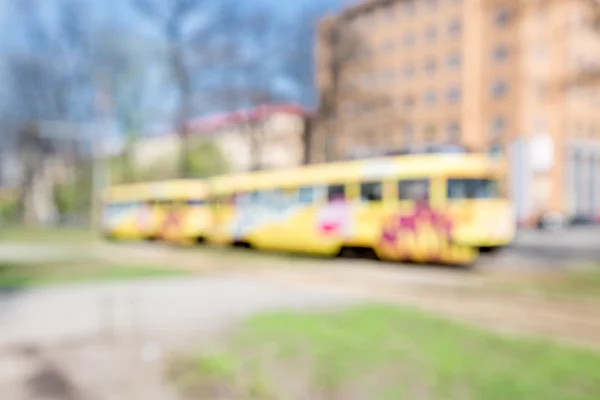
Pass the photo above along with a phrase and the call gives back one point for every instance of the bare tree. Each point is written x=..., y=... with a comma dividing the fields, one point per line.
x=122, y=66
x=297, y=58
x=50, y=80
x=258, y=41
x=344, y=48
x=191, y=30
x=267, y=50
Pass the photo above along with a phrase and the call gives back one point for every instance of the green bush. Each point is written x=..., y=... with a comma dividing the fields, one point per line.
x=9, y=209
x=205, y=157
x=75, y=197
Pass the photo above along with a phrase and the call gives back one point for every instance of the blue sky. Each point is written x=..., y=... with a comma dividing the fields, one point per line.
x=117, y=16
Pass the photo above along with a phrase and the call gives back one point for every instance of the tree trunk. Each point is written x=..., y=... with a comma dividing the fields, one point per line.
x=37, y=186
x=184, y=155
x=307, y=136
x=127, y=165
x=183, y=113
x=255, y=147
x=37, y=197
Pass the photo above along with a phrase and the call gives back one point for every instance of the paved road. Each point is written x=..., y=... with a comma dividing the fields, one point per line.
x=573, y=244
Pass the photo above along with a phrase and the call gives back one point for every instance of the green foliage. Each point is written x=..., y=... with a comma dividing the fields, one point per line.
x=9, y=209
x=385, y=352
x=67, y=198
x=63, y=235
x=206, y=159
x=75, y=197
x=21, y=275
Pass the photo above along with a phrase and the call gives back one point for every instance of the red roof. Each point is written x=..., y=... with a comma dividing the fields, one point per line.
x=259, y=113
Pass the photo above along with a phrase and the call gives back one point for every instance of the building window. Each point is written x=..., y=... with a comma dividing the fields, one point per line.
x=389, y=45
x=453, y=131
x=430, y=34
x=498, y=126
x=369, y=80
x=408, y=102
x=408, y=70
x=429, y=133
x=408, y=132
x=499, y=88
x=540, y=51
x=432, y=4
x=430, y=98
x=454, y=28
x=409, y=7
x=500, y=53
x=430, y=66
x=390, y=12
x=539, y=124
x=409, y=40
x=350, y=109
x=501, y=17
x=387, y=76
x=453, y=94
x=454, y=60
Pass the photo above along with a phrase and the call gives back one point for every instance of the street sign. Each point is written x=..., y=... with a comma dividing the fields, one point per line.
x=541, y=149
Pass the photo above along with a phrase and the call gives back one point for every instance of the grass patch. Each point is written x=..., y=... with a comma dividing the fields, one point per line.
x=383, y=352
x=47, y=235
x=20, y=275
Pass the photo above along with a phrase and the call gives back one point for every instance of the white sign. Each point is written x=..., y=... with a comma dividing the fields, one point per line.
x=541, y=152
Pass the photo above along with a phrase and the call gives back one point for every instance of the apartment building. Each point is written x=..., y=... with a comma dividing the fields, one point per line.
x=489, y=75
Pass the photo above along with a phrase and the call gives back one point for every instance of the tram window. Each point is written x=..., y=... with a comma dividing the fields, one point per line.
x=413, y=189
x=240, y=199
x=195, y=202
x=335, y=192
x=253, y=197
x=306, y=195
x=371, y=191
x=473, y=189
x=228, y=199
x=218, y=201
x=272, y=198
x=247, y=198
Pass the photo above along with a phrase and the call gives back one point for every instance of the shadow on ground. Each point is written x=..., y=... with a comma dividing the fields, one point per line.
x=50, y=382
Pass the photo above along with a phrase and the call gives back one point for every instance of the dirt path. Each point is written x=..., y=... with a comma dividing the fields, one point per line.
x=96, y=368
x=84, y=371
x=576, y=321
x=464, y=295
